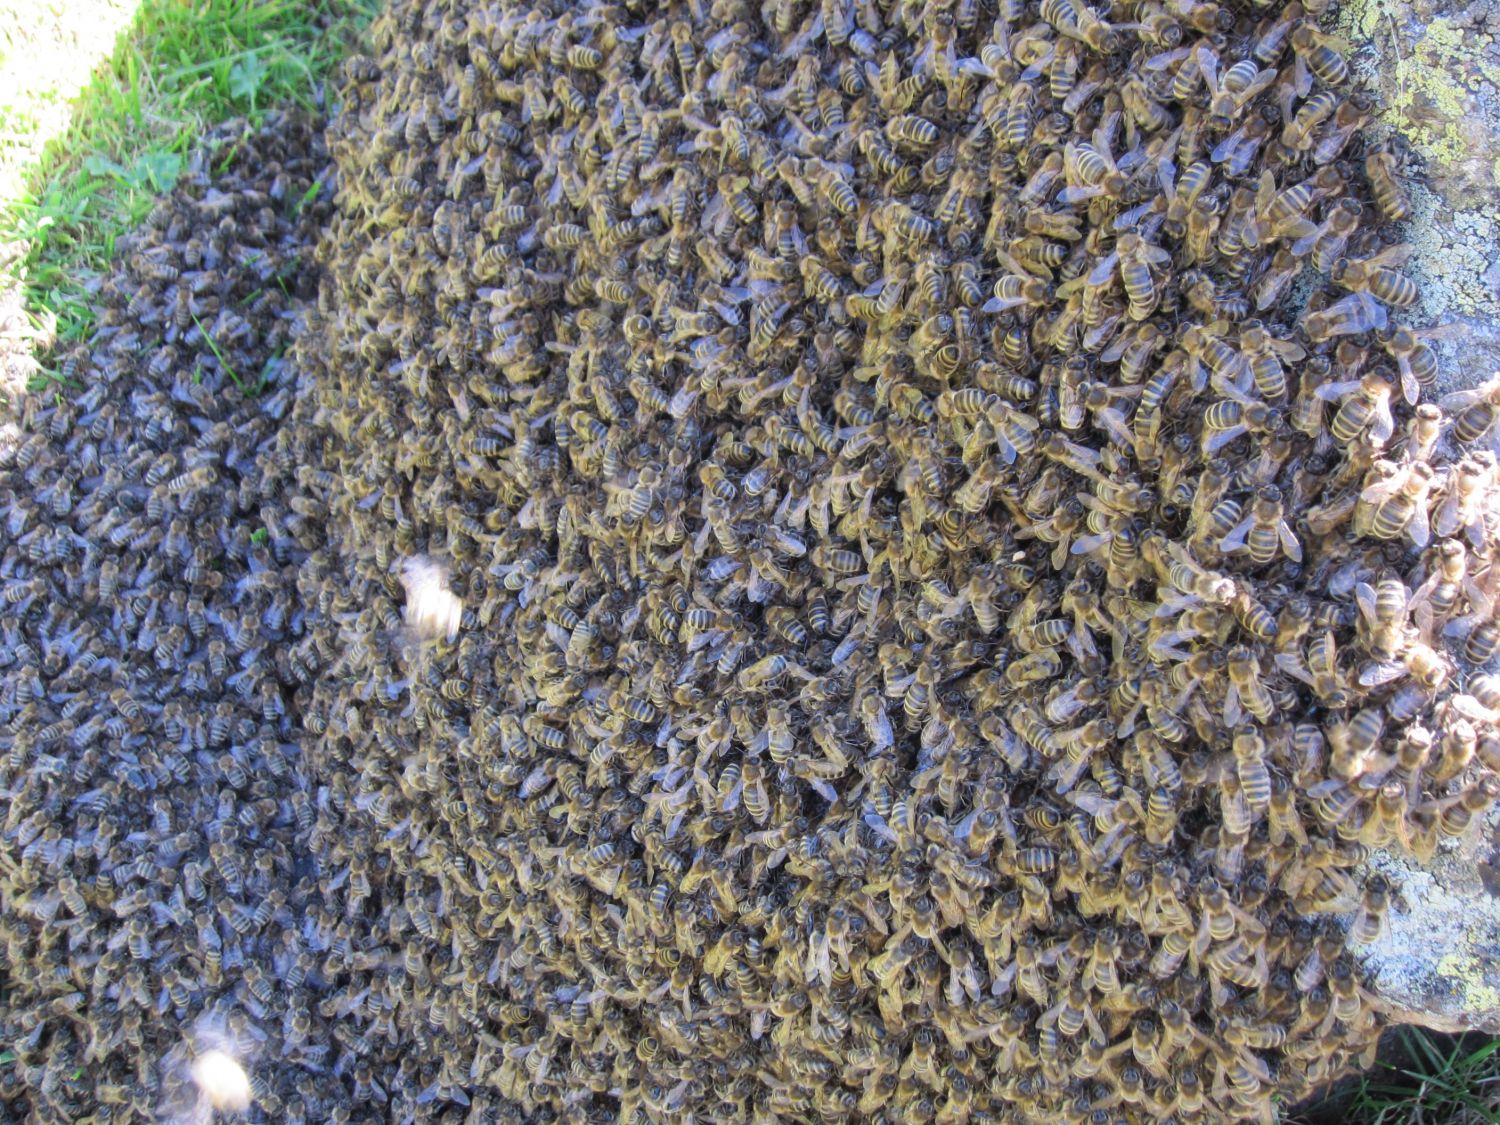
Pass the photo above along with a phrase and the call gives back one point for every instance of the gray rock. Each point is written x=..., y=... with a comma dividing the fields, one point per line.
x=1434, y=66
x=1438, y=961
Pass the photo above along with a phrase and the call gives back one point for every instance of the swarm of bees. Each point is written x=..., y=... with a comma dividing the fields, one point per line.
x=930, y=629
x=156, y=873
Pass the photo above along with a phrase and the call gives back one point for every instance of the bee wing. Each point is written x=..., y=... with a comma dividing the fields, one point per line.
x=1235, y=540
x=1081, y=644
x=1166, y=59
x=1418, y=529
x=1066, y=772
x=969, y=65
x=1471, y=708
x=1371, y=313
x=1445, y=523
x=1364, y=597
x=1391, y=256
x=1380, y=490
x=1265, y=191
x=1461, y=400
x=1233, y=712
x=1104, y=134
x=1117, y=347
x=1378, y=673
x=1000, y=304
x=1461, y=626
x=1301, y=77
x=1079, y=194
x=1385, y=424
x=1007, y=450
x=1166, y=176
x=1291, y=664
x=1022, y=419
x=1310, y=235
x=1088, y=543
x=1224, y=150
x=1261, y=82
x=877, y=824
x=1197, y=373
x=1421, y=613
x=1105, y=269
x=1208, y=66
x=1119, y=430
x=1231, y=388
x=1070, y=288
x=1127, y=220
x=1332, y=392
x=1423, y=593
x=1092, y=803
x=727, y=313
x=1005, y=258
x=1411, y=390
x=1289, y=542
x=1221, y=438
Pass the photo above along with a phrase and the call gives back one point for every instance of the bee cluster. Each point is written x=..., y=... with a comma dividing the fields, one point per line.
x=928, y=628
x=153, y=805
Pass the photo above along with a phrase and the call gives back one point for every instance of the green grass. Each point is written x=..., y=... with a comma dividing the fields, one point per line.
x=1454, y=1082
x=181, y=68
x=1428, y=1079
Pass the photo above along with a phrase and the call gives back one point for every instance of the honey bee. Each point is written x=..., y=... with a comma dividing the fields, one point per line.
x=1458, y=511
x=1374, y=276
x=1370, y=920
x=1018, y=291
x=1275, y=279
x=1264, y=532
x=912, y=130
x=1397, y=506
x=1351, y=315
x=1384, y=610
x=1415, y=360
x=1265, y=354
x=1315, y=53
x=1474, y=411
x=1240, y=84
x=1364, y=405
x=1390, y=196
x=1299, y=131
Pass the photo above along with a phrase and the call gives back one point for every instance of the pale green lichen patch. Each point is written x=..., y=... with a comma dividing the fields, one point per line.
x=1465, y=973
x=1439, y=87
x=1436, y=99
x=1455, y=250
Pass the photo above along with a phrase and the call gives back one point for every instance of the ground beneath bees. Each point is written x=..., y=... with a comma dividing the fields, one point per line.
x=728, y=564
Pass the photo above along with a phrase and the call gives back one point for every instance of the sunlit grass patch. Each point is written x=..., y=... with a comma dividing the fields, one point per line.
x=48, y=52
x=180, y=68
